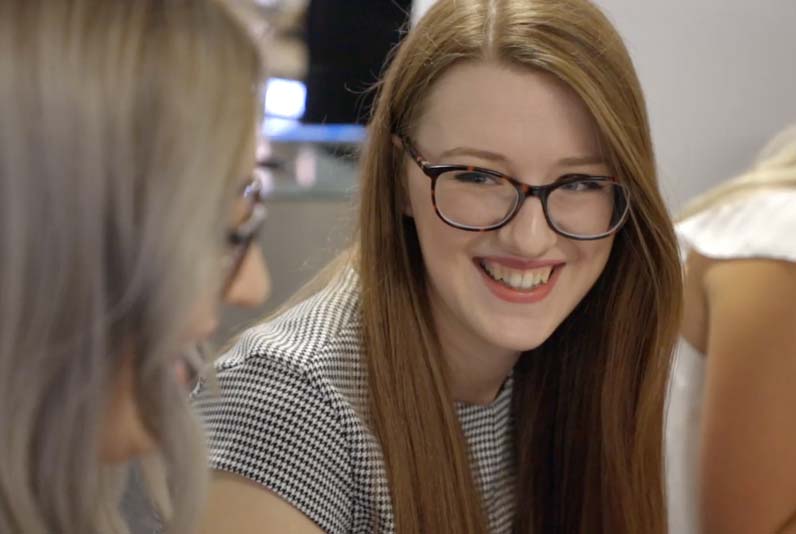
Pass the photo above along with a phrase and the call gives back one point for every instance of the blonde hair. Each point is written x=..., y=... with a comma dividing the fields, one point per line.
x=775, y=168
x=588, y=403
x=125, y=129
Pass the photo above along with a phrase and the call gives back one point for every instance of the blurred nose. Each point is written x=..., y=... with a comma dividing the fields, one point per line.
x=528, y=234
x=252, y=284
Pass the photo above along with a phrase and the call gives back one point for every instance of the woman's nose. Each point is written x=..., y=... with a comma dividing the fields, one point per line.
x=528, y=234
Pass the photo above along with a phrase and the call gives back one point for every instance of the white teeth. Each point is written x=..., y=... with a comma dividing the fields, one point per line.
x=536, y=279
x=522, y=280
x=516, y=279
x=544, y=276
x=528, y=280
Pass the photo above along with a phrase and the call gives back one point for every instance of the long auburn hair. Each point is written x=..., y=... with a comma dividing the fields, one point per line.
x=588, y=403
x=125, y=129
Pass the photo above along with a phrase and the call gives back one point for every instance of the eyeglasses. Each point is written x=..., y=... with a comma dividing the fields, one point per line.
x=241, y=237
x=239, y=240
x=576, y=206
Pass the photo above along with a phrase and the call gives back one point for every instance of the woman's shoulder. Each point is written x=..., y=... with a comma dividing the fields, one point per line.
x=286, y=406
x=756, y=225
x=311, y=338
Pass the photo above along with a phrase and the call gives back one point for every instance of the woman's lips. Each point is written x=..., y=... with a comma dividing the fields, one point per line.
x=519, y=281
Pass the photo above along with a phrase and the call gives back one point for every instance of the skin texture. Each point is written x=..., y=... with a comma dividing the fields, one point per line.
x=743, y=314
x=238, y=505
x=535, y=125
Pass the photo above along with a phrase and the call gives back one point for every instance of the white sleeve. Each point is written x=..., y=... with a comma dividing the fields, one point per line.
x=761, y=225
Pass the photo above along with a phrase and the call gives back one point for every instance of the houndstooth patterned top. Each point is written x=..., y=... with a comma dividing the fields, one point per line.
x=288, y=416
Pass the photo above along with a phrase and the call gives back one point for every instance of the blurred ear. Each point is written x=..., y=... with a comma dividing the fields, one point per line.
x=406, y=202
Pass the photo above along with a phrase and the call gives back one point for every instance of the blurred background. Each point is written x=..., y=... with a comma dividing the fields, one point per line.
x=325, y=57
x=719, y=76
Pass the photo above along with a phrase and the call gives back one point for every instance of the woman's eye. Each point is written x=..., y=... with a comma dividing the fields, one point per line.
x=476, y=178
x=583, y=185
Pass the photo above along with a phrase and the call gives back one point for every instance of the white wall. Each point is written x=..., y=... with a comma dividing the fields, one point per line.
x=720, y=79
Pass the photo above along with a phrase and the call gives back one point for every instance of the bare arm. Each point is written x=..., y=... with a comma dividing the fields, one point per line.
x=239, y=506
x=748, y=439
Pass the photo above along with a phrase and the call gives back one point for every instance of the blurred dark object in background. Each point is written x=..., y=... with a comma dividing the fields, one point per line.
x=348, y=42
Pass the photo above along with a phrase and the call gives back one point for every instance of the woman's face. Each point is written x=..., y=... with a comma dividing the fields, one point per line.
x=125, y=433
x=528, y=125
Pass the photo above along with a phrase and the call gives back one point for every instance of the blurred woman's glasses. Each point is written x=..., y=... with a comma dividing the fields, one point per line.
x=239, y=240
x=241, y=237
x=576, y=206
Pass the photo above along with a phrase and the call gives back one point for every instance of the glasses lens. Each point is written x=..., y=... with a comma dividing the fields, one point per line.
x=250, y=214
x=474, y=199
x=587, y=207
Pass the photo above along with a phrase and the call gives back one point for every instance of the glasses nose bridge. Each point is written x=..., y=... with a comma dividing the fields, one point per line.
x=526, y=190
x=523, y=192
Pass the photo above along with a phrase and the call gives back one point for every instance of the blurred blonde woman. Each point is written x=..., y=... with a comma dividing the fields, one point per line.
x=731, y=437
x=493, y=355
x=125, y=141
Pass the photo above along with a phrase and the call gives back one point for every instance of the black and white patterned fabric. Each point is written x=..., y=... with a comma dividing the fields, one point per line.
x=288, y=415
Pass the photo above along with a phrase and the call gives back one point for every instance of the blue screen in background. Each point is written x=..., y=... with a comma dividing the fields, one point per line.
x=285, y=102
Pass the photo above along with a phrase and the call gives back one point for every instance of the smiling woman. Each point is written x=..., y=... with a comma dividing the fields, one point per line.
x=540, y=130
x=492, y=356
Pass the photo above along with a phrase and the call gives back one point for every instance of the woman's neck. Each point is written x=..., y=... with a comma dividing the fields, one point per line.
x=476, y=368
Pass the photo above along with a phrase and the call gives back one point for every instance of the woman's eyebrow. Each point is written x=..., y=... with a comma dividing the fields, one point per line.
x=572, y=161
x=479, y=153
x=575, y=161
